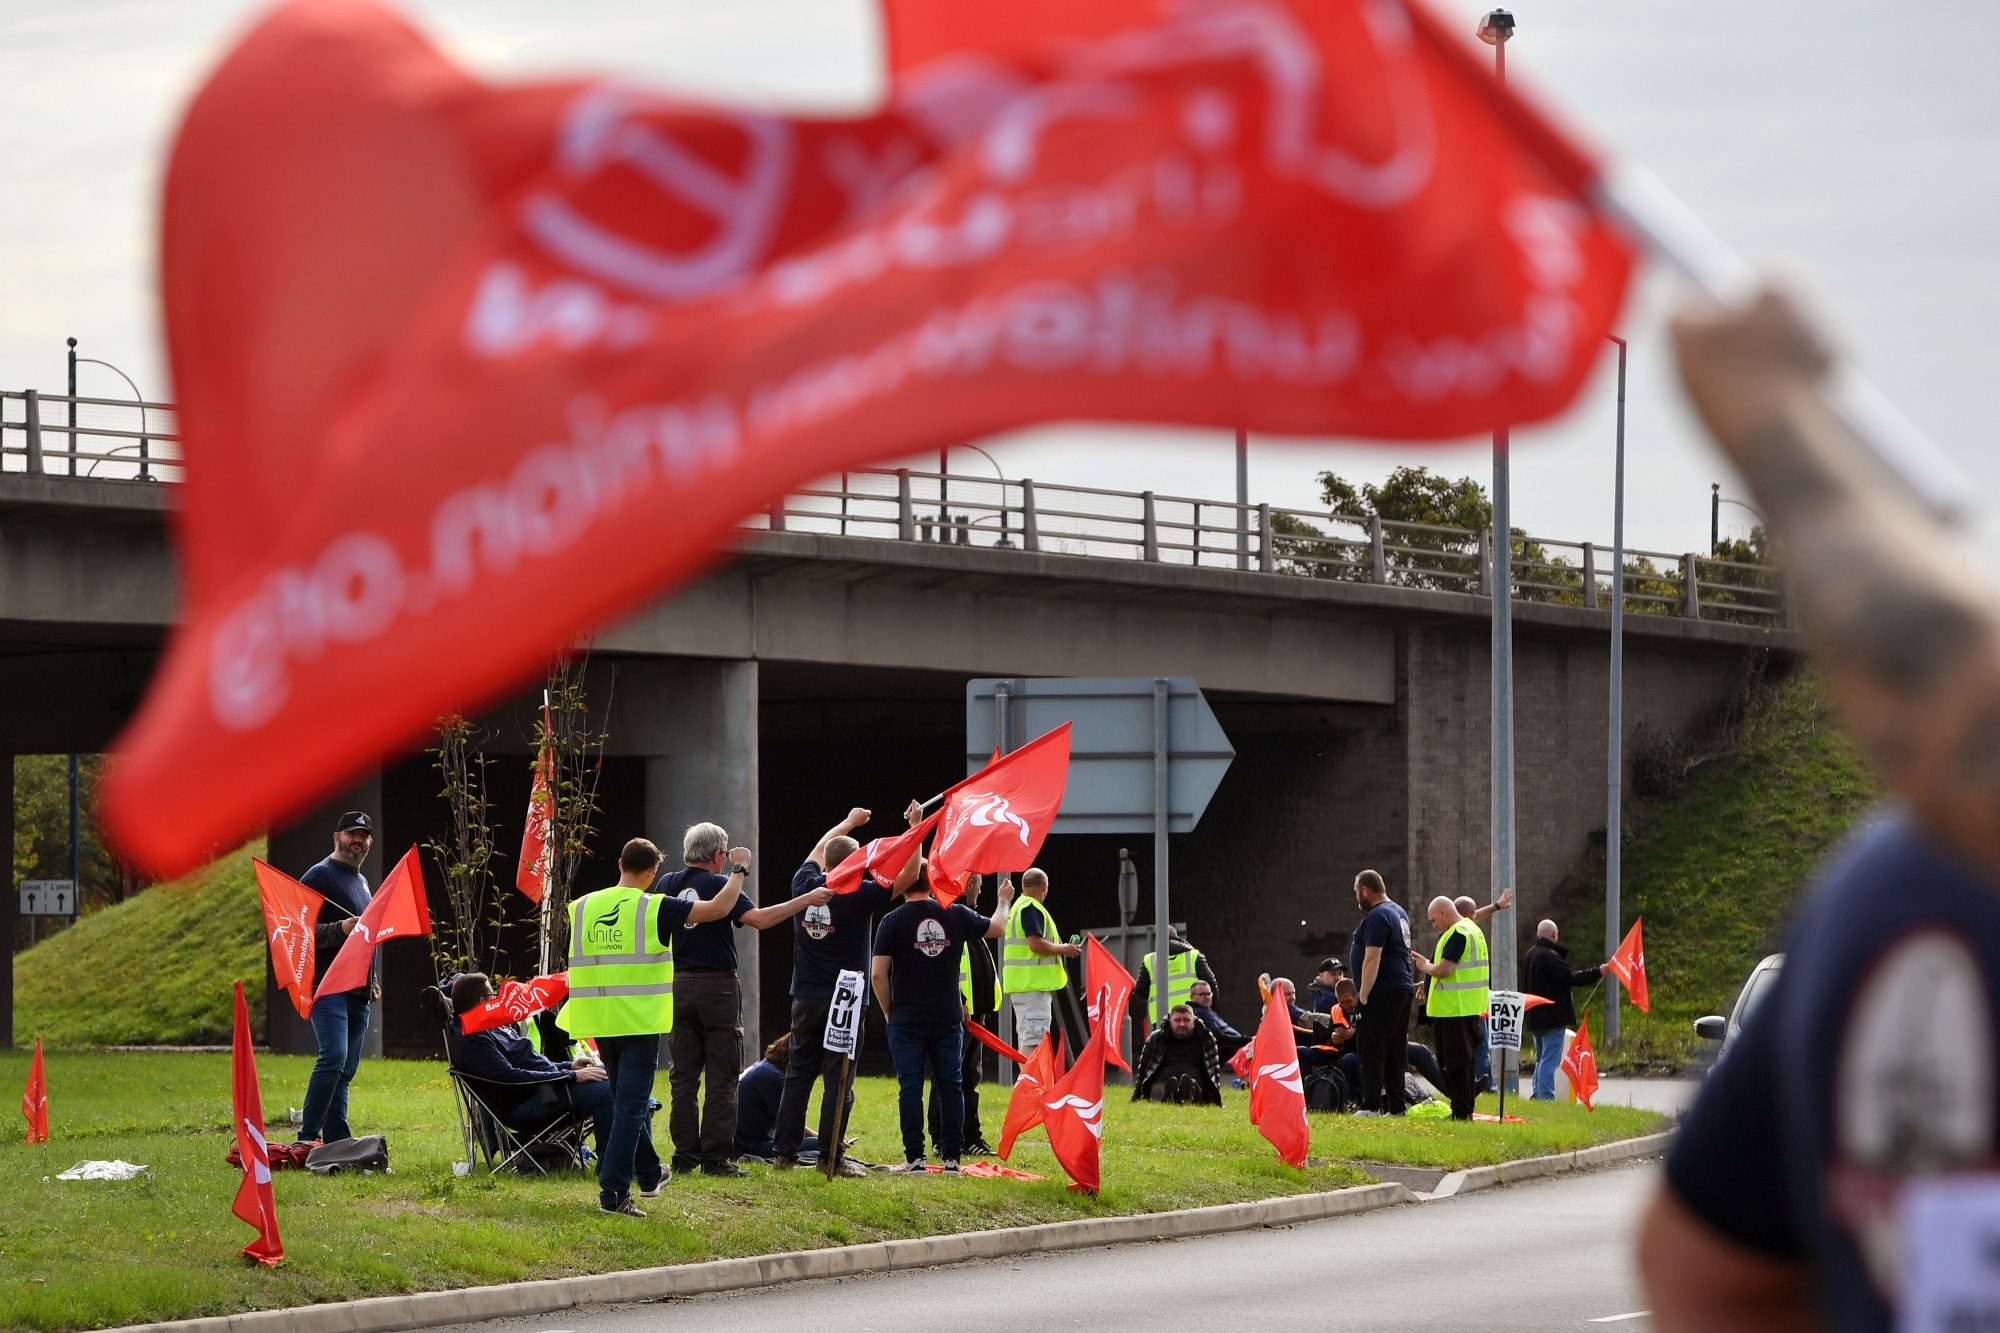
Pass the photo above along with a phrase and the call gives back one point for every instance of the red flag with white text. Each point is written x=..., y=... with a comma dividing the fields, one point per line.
x=1024, y=1105
x=35, y=1098
x=254, y=1202
x=398, y=910
x=1277, y=1092
x=528, y=319
x=291, y=910
x=517, y=1000
x=1629, y=965
x=1580, y=1063
x=531, y=876
x=1073, y=1114
x=1109, y=985
x=881, y=859
x=995, y=820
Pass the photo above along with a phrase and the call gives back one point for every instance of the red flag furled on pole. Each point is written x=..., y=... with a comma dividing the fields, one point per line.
x=881, y=859
x=1629, y=965
x=533, y=317
x=35, y=1098
x=1244, y=1062
x=995, y=820
x=1073, y=1114
x=398, y=909
x=1581, y=1064
x=1109, y=985
x=1277, y=1093
x=254, y=1203
x=531, y=876
x=1039, y=1073
x=994, y=1044
x=291, y=910
x=516, y=1001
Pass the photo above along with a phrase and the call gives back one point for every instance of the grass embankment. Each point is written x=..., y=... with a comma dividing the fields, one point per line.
x=79, y=1255
x=144, y=972
x=1723, y=841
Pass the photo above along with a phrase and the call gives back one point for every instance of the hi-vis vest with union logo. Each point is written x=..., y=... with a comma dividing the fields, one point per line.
x=621, y=981
x=1021, y=968
x=1463, y=993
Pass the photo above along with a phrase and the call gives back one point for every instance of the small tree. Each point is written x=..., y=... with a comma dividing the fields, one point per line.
x=466, y=855
x=576, y=754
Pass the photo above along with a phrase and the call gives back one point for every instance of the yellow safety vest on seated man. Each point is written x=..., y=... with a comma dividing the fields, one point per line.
x=1463, y=993
x=1021, y=968
x=621, y=980
x=1180, y=981
x=972, y=1006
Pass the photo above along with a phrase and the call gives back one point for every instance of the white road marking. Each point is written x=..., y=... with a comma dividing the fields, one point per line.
x=1621, y=1318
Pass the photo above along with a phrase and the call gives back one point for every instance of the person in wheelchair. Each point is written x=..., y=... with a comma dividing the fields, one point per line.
x=516, y=1077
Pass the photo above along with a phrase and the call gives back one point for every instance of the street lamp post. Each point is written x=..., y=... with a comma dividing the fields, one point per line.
x=1614, y=774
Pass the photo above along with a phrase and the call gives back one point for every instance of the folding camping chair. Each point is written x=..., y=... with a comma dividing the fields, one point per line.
x=555, y=1142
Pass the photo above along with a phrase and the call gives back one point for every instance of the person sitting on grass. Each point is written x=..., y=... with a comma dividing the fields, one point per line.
x=1228, y=1040
x=1179, y=1063
x=758, y=1091
x=502, y=1056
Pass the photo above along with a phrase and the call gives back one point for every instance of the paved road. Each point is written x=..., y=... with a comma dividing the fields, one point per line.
x=1569, y=1238
x=1671, y=1096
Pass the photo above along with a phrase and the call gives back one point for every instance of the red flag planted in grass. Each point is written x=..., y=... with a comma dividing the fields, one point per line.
x=516, y=1001
x=291, y=910
x=254, y=1203
x=1103, y=973
x=1581, y=1064
x=398, y=909
x=995, y=1045
x=995, y=820
x=35, y=1098
x=1277, y=1093
x=1024, y=1107
x=1073, y=1114
x=881, y=859
x=531, y=318
x=531, y=876
x=1244, y=1061
x=1629, y=965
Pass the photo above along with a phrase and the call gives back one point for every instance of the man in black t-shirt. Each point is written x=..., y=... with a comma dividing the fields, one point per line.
x=339, y=1022
x=1380, y=964
x=827, y=939
x=707, y=1040
x=915, y=977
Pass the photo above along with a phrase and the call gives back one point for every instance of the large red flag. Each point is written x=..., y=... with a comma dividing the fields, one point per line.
x=530, y=319
x=35, y=1098
x=291, y=910
x=1039, y=1073
x=882, y=858
x=995, y=820
x=531, y=876
x=1629, y=965
x=1109, y=985
x=1580, y=1063
x=1277, y=1094
x=516, y=1001
x=254, y=1203
x=399, y=908
x=1073, y=1113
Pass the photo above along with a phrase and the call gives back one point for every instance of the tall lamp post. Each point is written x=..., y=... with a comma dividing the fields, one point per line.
x=1615, y=766
x=1495, y=30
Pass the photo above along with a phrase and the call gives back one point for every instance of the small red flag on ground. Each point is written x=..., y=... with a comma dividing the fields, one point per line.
x=1277, y=1094
x=399, y=908
x=291, y=910
x=254, y=1203
x=516, y=1001
x=1581, y=1064
x=35, y=1099
x=537, y=854
x=1105, y=977
x=881, y=859
x=1024, y=1107
x=1073, y=1114
x=1629, y=965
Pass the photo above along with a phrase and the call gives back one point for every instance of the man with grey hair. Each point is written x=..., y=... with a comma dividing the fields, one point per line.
x=1545, y=971
x=1482, y=1061
x=707, y=1040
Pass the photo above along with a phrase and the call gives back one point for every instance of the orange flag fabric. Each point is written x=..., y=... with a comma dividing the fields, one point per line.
x=1073, y=1114
x=254, y=1202
x=1277, y=1092
x=1109, y=985
x=882, y=859
x=1024, y=1107
x=993, y=1044
x=35, y=1098
x=1629, y=963
x=1581, y=1064
x=291, y=910
x=398, y=909
x=531, y=876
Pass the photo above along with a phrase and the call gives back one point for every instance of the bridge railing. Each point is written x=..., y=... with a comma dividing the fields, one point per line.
x=49, y=434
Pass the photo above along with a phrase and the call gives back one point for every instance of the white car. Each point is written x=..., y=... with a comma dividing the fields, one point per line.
x=1763, y=977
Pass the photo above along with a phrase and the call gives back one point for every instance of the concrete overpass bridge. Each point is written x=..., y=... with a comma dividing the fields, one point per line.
x=824, y=665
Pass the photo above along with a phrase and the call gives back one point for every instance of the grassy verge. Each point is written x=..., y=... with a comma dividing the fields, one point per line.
x=80, y=1255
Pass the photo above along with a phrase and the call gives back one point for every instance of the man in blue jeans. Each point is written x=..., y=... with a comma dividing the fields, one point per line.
x=339, y=1022
x=1545, y=971
x=915, y=976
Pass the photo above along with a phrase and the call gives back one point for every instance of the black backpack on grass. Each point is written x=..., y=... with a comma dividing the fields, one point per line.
x=1326, y=1090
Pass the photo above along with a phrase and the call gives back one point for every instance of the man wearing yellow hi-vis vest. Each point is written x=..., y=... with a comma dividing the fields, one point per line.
x=1185, y=966
x=1458, y=974
x=1031, y=961
x=621, y=994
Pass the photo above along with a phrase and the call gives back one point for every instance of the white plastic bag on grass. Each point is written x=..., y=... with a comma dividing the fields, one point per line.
x=114, y=1169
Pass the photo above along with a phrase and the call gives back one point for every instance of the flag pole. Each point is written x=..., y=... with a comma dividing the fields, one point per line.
x=830, y=1155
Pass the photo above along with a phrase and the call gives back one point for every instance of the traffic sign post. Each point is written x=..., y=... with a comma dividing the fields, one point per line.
x=48, y=897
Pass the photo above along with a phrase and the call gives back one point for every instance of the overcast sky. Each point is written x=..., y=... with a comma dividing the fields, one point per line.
x=1861, y=139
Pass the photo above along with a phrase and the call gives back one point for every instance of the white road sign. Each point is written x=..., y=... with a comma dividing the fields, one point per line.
x=48, y=897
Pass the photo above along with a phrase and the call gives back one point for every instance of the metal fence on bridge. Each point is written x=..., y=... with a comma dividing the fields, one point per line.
x=57, y=435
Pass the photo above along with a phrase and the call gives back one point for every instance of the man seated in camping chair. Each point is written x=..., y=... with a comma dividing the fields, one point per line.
x=514, y=1073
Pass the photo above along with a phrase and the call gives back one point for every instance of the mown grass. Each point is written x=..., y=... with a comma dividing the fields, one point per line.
x=81, y=1255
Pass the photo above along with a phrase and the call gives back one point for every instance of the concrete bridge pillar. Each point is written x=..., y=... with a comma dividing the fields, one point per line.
x=694, y=721
x=297, y=848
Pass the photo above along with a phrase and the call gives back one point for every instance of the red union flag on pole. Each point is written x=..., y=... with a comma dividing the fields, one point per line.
x=995, y=820
x=1277, y=1092
x=881, y=858
x=1109, y=985
x=1039, y=1073
x=35, y=1098
x=398, y=909
x=1629, y=965
x=1580, y=1063
x=1073, y=1113
x=532, y=318
x=531, y=876
x=516, y=1001
x=254, y=1202
x=291, y=910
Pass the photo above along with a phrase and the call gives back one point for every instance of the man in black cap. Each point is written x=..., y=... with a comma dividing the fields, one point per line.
x=339, y=1022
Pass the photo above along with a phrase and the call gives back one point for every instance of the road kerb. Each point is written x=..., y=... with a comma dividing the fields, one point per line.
x=1533, y=1168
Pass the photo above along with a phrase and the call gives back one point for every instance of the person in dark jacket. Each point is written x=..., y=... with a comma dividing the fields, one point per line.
x=516, y=1072
x=1545, y=971
x=1179, y=1063
x=339, y=1022
x=1227, y=1039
